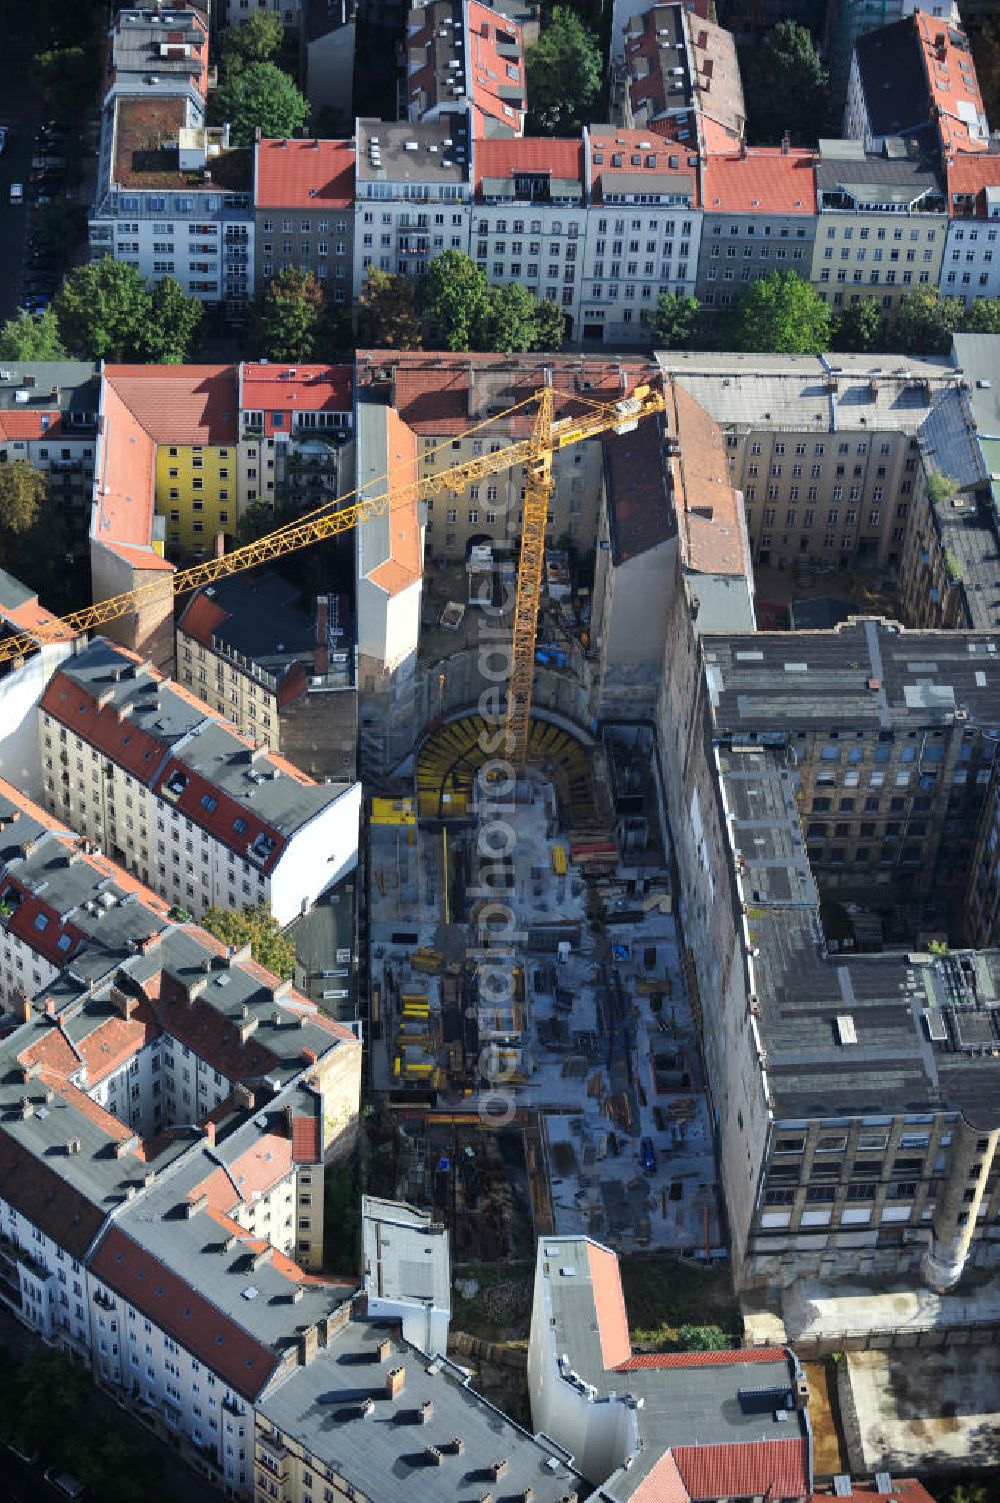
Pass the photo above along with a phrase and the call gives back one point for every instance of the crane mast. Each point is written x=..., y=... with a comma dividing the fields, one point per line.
x=536, y=453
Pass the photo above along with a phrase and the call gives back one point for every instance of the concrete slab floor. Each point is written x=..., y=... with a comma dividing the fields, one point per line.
x=607, y=1051
x=923, y=1411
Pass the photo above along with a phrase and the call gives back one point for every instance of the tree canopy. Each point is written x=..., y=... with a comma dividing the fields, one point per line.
x=285, y=318
x=260, y=94
x=564, y=74
x=387, y=315
x=105, y=311
x=983, y=317
x=925, y=322
x=675, y=324
x=860, y=327
x=786, y=88
x=258, y=39
x=22, y=491
x=269, y=945
x=31, y=337
x=453, y=296
x=783, y=314
x=68, y=79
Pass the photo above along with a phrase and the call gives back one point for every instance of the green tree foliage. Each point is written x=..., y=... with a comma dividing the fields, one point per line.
x=40, y=1400
x=285, y=317
x=269, y=946
x=783, y=314
x=550, y=326
x=260, y=94
x=860, y=327
x=258, y=39
x=173, y=322
x=703, y=1339
x=115, y=1466
x=22, y=491
x=453, y=297
x=940, y=487
x=675, y=324
x=29, y=337
x=564, y=72
x=105, y=311
x=68, y=79
x=786, y=88
x=983, y=317
x=925, y=322
x=387, y=316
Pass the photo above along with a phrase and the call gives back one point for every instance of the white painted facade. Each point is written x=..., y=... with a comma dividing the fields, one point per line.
x=53, y=1298
x=970, y=267
x=631, y=254
x=133, y=1353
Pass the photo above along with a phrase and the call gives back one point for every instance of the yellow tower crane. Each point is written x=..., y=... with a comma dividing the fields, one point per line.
x=548, y=436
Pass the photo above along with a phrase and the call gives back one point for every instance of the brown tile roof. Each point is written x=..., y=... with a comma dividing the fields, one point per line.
x=505, y=156
x=35, y=1190
x=179, y=404
x=709, y=510
x=201, y=618
x=663, y=1483
x=306, y=1145
x=178, y=1309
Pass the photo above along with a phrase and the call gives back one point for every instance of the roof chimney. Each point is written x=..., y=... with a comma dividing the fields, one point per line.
x=321, y=652
x=395, y=1378
x=786, y=144
x=383, y=1350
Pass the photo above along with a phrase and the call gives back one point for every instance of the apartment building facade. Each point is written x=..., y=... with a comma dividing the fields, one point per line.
x=825, y=450
x=831, y=1167
x=970, y=267
x=304, y=211
x=759, y=218
x=881, y=225
x=413, y=192
x=172, y=197
x=294, y=424
x=207, y=817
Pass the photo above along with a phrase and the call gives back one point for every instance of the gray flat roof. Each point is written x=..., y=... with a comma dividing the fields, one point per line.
x=811, y=393
x=880, y=179
x=893, y=1067
x=892, y=78
x=777, y=681
x=66, y=385
x=425, y=159
x=383, y=1454
x=978, y=355
x=267, y=621
x=405, y=1253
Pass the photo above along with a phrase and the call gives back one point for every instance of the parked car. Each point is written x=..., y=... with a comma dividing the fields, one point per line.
x=648, y=1155
x=36, y=303
x=65, y=1483
x=4, y=133
x=17, y=193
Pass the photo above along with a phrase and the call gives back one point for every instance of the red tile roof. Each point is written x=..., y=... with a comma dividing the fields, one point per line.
x=249, y=1176
x=179, y=404
x=954, y=93
x=904, y=1490
x=764, y=181
x=279, y=389
x=41, y=1195
x=125, y=743
x=306, y=1146
x=662, y=1484
x=969, y=174
x=761, y=1468
x=609, y=1305
x=503, y=157
x=185, y=1315
x=489, y=72
x=127, y=482
x=209, y=1033
x=735, y=1357
x=201, y=618
x=115, y=1040
x=709, y=510
x=222, y=820
x=112, y=1126
x=28, y=425
x=309, y=174
x=403, y=567
x=40, y=926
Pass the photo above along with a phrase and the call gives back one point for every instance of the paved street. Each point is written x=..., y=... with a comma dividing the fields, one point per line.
x=20, y=109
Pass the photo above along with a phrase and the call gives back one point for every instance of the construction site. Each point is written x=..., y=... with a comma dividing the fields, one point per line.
x=531, y=1021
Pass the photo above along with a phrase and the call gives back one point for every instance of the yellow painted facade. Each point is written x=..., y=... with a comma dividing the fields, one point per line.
x=195, y=494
